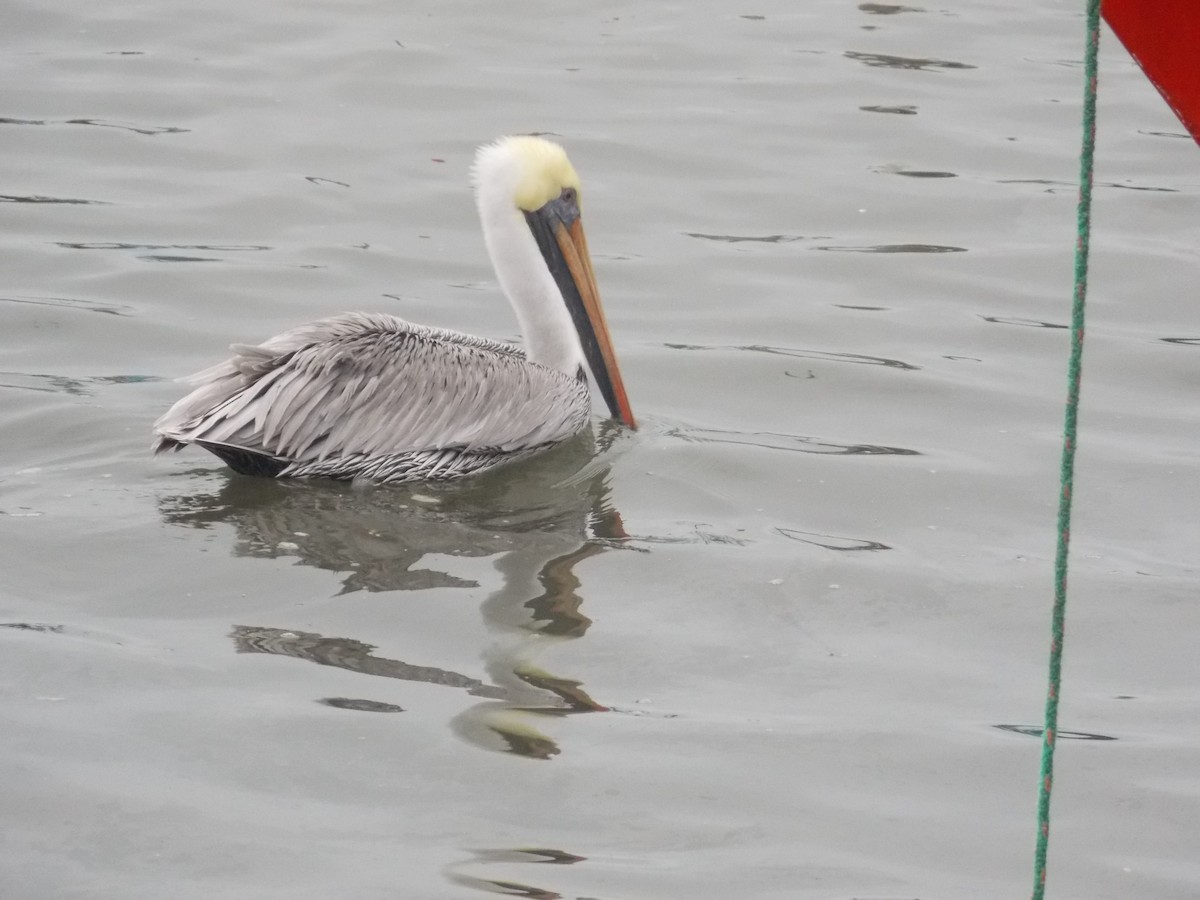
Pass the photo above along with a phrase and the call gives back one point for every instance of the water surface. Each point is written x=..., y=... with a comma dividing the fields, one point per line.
x=788, y=640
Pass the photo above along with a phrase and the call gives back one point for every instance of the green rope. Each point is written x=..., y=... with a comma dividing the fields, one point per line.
x=1067, y=475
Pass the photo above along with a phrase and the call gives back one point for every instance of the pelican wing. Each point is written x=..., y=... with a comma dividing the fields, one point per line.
x=363, y=385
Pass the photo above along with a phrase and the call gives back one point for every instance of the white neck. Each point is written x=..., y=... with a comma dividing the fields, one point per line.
x=550, y=337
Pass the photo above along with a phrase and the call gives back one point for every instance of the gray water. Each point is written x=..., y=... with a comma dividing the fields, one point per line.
x=786, y=641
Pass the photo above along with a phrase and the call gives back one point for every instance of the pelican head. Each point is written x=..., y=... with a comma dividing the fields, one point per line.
x=528, y=195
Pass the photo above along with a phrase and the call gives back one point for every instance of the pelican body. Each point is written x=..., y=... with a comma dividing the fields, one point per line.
x=371, y=396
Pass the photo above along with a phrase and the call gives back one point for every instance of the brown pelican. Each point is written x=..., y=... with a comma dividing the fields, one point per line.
x=369, y=395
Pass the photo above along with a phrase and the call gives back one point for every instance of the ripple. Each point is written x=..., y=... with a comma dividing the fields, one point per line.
x=886, y=61
x=121, y=245
x=1036, y=731
x=1025, y=323
x=798, y=353
x=769, y=440
x=175, y=258
x=38, y=198
x=70, y=303
x=167, y=257
x=829, y=541
x=1189, y=342
x=360, y=705
x=756, y=238
x=918, y=173
x=317, y=179
x=893, y=110
x=61, y=384
x=896, y=248
x=524, y=854
x=1139, y=187
x=1071, y=185
x=887, y=9
x=541, y=856
x=150, y=130
x=41, y=627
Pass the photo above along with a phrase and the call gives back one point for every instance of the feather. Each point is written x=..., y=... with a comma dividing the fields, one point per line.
x=372, y=395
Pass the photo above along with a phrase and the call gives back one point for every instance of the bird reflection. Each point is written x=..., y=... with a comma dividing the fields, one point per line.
x=538, y=520
x=518, y=856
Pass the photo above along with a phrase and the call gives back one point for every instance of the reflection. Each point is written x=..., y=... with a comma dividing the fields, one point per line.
x=535, y=856
x=539, y=520
x=384, y=538
x=61, y=384
x=349, y=654
x=1190, y=342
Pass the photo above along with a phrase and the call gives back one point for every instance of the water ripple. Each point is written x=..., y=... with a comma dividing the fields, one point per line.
x=38, y=198
x=887, y=9
x=1027, y=323
x=532, y=855
x=357, y=704
x=804, y=354
x=1070, y=185
x=756, y=238
x=1168, y=134
x=770, y=440
x=121, y=245
x=883, y=60
x=118, y=309
x=61, y=384
x=906, y=110
x=150, y=130
x=829, y=541
x=317, y=179
x=916, y=173
x=1036, y=731
x=896, y=248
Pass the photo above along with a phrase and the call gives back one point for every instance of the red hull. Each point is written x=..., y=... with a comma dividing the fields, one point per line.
x=1164, y=37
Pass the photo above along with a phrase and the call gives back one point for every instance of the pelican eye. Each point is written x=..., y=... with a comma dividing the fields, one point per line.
x=570, y=195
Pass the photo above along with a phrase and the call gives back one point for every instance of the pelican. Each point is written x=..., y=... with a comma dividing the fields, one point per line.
x=371, y=396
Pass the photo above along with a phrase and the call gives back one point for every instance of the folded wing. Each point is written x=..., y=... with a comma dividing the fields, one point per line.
x=362, y=385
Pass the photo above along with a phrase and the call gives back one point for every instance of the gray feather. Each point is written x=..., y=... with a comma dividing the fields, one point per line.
x=371, y=396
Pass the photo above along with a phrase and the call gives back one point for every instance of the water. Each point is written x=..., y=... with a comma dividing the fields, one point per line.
x=786, y=641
